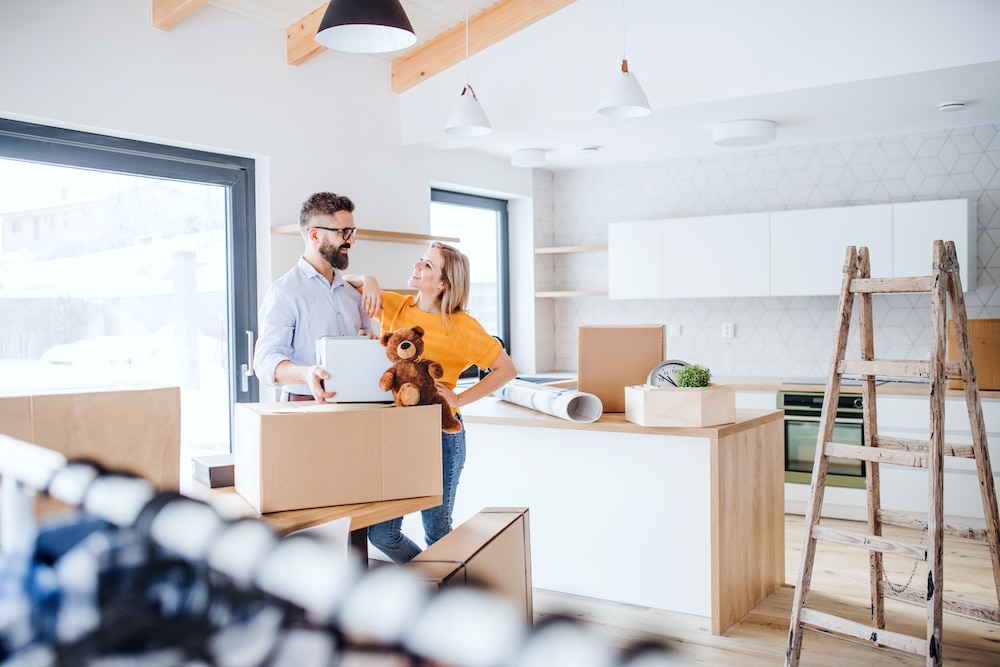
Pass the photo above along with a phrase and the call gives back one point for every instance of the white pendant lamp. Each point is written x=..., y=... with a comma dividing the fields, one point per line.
x=624, y=98
x=468, y=119
x=365, y=26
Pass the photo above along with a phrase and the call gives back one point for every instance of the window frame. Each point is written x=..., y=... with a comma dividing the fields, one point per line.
x=58, y=146
x=500, y=207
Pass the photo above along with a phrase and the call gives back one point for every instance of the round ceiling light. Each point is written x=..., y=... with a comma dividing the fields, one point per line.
x=744, y=132
x=951, y=106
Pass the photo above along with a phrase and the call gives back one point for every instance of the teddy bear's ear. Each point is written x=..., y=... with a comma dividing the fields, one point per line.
x=385, y=338
x=418, y=330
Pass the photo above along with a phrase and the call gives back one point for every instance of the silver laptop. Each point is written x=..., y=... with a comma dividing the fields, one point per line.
x=355, y=365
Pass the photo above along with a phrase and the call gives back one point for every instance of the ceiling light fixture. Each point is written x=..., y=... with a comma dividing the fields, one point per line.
x=365, y=26
x=468, y=119
x=744, y=132
x=624, y=99
x=527, y=157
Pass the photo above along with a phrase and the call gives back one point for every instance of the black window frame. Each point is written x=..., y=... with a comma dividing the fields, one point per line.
x=499, y=206
x=58, y=146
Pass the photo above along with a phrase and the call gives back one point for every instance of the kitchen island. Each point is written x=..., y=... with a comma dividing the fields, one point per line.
x=683, y=519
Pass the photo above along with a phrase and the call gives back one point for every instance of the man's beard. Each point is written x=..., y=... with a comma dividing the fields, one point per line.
x=336, y=255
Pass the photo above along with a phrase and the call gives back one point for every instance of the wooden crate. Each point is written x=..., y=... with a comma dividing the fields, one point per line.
x=680, y=406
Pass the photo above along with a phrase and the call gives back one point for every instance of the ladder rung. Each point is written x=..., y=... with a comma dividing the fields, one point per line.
x=876, y=455
x=904, y=520
x=892, y=285
x=910, y=445
x=953, y=605
x=823, y=621
x=916, y=368
x=870, y=542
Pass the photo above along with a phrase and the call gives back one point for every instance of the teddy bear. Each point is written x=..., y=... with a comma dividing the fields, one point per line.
x=412, y=379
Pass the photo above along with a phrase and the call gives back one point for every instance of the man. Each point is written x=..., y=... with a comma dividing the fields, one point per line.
x=310, y=301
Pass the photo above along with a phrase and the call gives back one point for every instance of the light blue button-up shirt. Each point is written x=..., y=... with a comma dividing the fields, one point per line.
x=298, y=309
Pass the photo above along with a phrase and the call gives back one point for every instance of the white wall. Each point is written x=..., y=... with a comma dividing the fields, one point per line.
x=220, y=82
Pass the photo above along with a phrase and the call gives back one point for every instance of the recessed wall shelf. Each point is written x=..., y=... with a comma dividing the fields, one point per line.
x=374, y=235
x=566, y=249
x=568, y=294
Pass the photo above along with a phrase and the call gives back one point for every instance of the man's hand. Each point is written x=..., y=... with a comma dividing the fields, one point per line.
x=314, y=378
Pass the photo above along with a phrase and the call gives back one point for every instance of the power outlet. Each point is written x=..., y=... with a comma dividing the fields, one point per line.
x=673, y=330
x=728, y=330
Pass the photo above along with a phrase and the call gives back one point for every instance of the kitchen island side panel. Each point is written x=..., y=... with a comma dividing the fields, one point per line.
x=615, y=516
x=748, y=521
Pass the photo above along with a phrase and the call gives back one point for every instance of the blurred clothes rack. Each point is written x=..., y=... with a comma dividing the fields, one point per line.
x=130, y=576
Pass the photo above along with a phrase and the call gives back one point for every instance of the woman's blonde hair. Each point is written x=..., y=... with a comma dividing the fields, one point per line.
x=455, y=275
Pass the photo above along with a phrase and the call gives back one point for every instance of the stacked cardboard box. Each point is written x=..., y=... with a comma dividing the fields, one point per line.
x=291, y=456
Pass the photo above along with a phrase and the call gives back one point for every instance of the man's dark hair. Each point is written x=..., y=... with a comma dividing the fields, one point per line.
x=323, y=203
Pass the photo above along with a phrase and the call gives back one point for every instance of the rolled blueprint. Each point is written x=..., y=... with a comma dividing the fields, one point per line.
x=570, y=404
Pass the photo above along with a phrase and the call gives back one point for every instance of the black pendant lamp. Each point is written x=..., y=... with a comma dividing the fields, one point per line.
x=365, y=26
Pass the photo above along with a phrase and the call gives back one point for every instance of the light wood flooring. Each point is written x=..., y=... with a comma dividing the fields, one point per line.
x=839, y=585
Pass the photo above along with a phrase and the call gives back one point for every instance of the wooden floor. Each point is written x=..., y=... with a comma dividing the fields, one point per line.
x=839, y=585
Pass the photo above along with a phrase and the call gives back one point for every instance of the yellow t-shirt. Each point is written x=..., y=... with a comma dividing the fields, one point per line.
x=461, y=344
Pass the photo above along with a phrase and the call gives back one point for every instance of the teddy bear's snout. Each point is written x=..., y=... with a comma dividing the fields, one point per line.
x=406, y=349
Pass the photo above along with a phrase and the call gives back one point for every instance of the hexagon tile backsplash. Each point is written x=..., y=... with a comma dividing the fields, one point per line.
x=774, y=337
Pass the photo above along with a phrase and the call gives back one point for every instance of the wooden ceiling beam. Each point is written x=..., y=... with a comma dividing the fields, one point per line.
x=168, y=13
x=301, y=45
x=493, y=24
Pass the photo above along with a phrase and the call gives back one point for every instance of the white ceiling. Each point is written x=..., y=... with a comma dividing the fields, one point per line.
x=823, y=71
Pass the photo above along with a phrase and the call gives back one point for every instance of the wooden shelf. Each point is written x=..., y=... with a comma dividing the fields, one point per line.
x=375, y=235
x=566, y=249
x=568, y=294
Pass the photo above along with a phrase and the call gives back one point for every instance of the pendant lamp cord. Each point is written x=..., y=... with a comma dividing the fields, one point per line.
x=466, y=42
x=624, y=51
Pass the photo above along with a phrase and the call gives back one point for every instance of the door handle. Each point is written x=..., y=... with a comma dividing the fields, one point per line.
x=246, y=370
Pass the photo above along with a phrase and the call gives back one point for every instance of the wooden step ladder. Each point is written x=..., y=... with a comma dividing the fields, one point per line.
x=944, y=286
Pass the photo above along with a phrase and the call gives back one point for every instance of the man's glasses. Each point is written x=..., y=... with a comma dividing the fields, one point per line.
x=347, y=233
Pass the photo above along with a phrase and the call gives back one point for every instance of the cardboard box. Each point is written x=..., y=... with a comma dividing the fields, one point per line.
x=492, y=551
x=614, y=357
x=293, y=456
x=680, y=406
x=214, y=470
x=133, y=429
x=984, y=335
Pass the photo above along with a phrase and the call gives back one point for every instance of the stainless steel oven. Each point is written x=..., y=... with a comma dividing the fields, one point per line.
x=802, y=414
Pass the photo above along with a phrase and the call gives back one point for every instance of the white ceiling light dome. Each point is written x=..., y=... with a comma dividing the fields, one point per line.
x=744, y=132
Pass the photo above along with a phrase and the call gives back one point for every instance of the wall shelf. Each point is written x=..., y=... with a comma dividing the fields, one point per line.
x=374, y=235
x=569, y=294
x=566, y=249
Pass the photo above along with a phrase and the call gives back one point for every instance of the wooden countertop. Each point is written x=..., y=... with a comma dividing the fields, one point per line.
x=499, y=412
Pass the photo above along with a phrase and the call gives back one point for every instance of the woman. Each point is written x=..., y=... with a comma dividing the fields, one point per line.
x=454, y=339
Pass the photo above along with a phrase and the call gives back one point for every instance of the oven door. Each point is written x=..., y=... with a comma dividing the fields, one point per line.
x=801, y=434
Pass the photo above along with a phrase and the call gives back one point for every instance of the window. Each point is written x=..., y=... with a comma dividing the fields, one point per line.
x=480, y=224
x=123, y=260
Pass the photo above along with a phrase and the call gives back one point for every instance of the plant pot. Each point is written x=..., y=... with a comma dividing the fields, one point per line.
x=680, y=406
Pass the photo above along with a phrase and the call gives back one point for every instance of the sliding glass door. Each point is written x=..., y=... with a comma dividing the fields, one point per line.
x=123, y=262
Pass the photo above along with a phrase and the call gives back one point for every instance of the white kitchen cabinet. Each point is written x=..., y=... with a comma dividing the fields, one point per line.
x=707, y=256
x=635, y=259
x=716, y=256
x=808, y=247
x=916, y=225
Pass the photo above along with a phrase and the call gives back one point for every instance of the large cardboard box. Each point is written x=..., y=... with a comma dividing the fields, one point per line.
x=984, y=335
x=614, y=357
x=492, y=550
x=132, y=429
x=680, y=406
x=291, y=456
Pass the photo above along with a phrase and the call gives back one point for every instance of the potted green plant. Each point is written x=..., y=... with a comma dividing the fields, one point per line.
x=693, y=375
x=694, y=401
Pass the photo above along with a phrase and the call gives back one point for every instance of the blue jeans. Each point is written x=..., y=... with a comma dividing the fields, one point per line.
x=388, y=535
